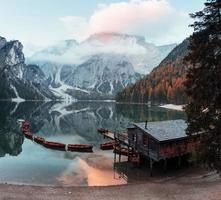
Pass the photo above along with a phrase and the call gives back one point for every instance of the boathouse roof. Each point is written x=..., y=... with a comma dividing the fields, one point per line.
x=164, y=130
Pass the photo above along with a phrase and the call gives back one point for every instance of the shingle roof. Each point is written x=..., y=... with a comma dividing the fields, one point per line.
x=165, y=130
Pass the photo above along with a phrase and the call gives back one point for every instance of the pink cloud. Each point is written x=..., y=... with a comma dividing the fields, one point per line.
x=156, y=19
x=120, y=17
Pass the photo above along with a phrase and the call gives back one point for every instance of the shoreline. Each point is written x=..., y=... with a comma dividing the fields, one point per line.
x=173, y=107
x=195, y=184
x=185, y=188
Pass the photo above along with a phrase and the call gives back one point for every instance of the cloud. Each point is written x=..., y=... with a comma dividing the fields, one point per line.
x=158, y=20
x=79, y=53
x=76, y=25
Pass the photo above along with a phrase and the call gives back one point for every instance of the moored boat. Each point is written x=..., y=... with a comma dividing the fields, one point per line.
x=25, y=127
x=121, y=150
x=54, y=145
x=25, y=123
x=108, y=145
x=24, y=130
x=39, y=140
x=102, y=130
x=80, y=147
x=28, y=135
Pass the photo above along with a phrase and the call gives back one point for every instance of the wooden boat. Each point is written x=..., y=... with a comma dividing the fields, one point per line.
x=25, y=130
x=121, y=150
x=25, y=123
x=102, y=130
x=28, y=135
x=39, y=140
x=54, y=145
x=108, y=145
x=80, y=148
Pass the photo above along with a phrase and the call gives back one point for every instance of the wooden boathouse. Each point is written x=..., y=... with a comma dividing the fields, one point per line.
x=158, y=140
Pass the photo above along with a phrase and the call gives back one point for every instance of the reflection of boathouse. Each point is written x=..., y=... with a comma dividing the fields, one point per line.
x=158, y=140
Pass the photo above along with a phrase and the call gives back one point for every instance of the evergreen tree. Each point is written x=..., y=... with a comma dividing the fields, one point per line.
x=203, y=85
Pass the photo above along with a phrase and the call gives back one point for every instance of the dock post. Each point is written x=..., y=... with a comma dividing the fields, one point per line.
x=120, y=155
x=165, y=165
x=179, y=161
x=151, y=167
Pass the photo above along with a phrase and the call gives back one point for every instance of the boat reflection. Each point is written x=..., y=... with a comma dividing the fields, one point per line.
x=68, y=123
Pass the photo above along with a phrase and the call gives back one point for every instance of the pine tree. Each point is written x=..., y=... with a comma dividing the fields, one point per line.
x=203, y=85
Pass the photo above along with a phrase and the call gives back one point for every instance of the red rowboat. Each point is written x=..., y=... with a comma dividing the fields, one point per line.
x=28, y=135
x=102, y=130
x=80, y=147
x=25, y=130
x=39, y=140
x=25, y=124
x=54, y=145
x=108, y=145
x=121, y=150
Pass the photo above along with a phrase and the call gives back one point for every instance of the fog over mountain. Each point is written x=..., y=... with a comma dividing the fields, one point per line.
x=143, y=55
x=98, y=67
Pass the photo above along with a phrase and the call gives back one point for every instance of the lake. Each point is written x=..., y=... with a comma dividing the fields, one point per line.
x=25, y=162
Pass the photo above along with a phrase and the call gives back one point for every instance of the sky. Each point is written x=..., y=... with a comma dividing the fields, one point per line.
x=42, y=23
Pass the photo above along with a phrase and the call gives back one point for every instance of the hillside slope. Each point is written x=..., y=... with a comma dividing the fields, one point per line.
x=164, y=84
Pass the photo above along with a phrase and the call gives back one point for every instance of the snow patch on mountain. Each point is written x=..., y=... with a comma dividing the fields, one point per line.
x=17, y=99
x=103, y=64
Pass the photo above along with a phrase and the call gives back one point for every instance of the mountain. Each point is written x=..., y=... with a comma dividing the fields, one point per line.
x=164, y=84
x=142, y=55
x=19, y=81
x=100, y=66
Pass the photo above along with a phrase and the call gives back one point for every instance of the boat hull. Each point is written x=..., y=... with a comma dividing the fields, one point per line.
x=80, y=148
x=24, y=130
x=39, y=140
x=28, y=135
x=108, y=145
x=121, y=151
x=54, y=145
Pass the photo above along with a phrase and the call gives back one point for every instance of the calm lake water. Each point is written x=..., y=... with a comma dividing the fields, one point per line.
x=25, y=162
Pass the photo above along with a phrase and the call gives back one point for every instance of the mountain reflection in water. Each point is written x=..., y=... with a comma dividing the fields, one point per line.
x=69, y=123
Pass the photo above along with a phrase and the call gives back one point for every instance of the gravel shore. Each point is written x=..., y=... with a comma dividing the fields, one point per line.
x=182, y=188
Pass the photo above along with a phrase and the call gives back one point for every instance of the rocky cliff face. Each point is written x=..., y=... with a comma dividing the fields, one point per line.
x=19, y=81
x=102, y=74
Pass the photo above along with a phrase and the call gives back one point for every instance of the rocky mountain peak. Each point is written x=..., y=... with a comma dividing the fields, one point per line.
x=2, y=42
x=106, y=37
x=11, y=52
x=18, y=81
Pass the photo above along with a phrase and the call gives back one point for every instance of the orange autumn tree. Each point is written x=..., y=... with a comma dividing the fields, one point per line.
x=164, y=84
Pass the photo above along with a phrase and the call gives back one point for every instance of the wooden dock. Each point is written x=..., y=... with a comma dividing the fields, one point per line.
x=108, y=135
x=122, y=137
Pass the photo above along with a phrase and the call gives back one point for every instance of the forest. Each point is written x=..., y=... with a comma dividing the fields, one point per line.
x=165, y=84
